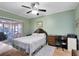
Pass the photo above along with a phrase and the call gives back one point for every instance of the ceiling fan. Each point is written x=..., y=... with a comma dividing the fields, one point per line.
x=34, y=9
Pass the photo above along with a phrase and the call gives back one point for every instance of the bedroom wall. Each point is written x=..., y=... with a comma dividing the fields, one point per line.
x=77, y=12
x=77, y=20
x=13, y=16
x=56, y=24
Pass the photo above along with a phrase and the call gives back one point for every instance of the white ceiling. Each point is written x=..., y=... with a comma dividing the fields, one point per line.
x=51, y=7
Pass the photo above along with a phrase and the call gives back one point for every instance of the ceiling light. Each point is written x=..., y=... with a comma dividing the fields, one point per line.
x=36, y=4
x=34, y=12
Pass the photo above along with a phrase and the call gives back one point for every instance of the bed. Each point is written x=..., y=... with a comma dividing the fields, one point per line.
x=33, y=43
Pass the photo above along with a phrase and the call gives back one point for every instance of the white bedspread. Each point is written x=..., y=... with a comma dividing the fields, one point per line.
x=46, y=51
x=30, y=43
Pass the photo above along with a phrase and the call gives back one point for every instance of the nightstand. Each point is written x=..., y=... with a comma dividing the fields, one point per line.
x=51, y=40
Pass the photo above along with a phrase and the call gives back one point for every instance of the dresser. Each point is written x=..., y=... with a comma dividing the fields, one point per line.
x=58, y=41
x=51, y=40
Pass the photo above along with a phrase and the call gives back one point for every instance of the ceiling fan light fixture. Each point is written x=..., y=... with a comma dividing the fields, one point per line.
x=34, y=9
x=34, y=12
x=36, y=6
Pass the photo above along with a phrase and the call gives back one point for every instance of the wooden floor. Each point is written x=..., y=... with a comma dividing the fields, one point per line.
x=14, y=52
x=57, y=52
x=62, y=52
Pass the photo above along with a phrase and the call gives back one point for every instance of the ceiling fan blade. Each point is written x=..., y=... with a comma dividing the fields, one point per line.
x=29, y=11
x=26, y=6
x=42, y=10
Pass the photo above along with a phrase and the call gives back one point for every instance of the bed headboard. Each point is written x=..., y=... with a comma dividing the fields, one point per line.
x=41, y=31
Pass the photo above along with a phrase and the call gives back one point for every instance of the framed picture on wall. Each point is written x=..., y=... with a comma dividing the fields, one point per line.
x=77, y=23
x=39, y=24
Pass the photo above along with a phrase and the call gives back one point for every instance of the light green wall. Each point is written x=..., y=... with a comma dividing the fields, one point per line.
x=56, y=24
x=77, y=20
x=13, y=16
x=77, y=13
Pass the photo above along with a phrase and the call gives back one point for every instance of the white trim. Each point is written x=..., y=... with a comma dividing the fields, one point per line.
x=11, y=19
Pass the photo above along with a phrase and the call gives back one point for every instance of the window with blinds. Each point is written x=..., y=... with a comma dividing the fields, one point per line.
x=12, y=29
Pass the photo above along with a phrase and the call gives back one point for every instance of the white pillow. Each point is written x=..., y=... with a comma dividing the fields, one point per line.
x=35, y=34
x=41, y=34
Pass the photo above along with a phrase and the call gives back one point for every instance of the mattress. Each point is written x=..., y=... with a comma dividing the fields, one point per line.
x=30, y=43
